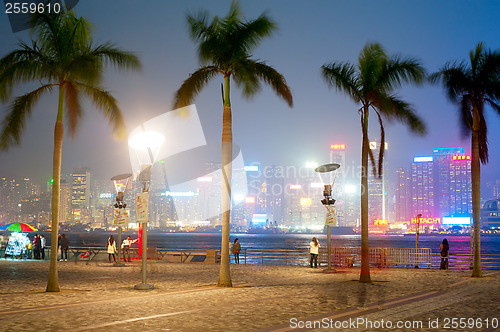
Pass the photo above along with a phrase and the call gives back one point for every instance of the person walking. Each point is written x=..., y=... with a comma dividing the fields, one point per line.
x=236, y=251
x=314, y=251
x=111, y=248
x=126, y=246
x=445, y=255
x=64, y=247
x=42, y=246
x=36, y=246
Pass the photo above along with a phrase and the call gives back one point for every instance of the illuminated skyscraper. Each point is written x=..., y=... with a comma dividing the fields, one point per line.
x=377, y=187
x=274, y=194
x=452, y=181
x=421, y=188
x=337, y=156
x=401, y=194
x=80, y=193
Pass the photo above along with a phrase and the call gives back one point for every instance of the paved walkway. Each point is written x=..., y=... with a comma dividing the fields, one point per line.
x=100, y=297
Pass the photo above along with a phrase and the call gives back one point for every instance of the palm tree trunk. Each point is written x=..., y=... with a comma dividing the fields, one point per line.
x=476, y=200
x=365, y=261
x=227, y=156
x=53, y=282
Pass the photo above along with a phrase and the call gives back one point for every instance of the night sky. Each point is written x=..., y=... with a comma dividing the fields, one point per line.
x=311, y=33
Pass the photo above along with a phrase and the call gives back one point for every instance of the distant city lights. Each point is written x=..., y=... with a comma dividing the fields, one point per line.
x=423, y=159
x=456, y=221
x=106, y=195
x=251, y=168
x=179, y=194
x=250, y=200
x=306, y=201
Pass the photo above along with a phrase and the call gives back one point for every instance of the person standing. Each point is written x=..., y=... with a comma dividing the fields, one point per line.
x=36, y=246
x=236, y=251
x=111, y=248
x=126, y=246
x=64, y=247
x=42, y=246
x=314, y=252
x=445, y=255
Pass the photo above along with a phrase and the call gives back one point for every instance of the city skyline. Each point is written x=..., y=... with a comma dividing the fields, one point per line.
x=264, y=127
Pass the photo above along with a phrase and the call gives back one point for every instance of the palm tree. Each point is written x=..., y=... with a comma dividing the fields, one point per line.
x=371, y=85
x=225, y=46
x=474, y=86
x=61, y=56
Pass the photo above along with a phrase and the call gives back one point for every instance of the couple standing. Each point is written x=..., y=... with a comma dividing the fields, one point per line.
x=125, y=248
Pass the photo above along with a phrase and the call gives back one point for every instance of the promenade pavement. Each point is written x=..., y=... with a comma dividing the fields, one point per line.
x=98, y=297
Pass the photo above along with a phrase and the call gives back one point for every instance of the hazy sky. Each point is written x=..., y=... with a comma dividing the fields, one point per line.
x=311, y=33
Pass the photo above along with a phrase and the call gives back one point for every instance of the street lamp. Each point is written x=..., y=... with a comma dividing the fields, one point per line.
x=146, y=146
x=328, y=202
x=121, y=215
x=416, y=239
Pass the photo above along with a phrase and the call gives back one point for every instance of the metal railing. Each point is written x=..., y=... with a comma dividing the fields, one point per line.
x=380, y=257
x=341, y=257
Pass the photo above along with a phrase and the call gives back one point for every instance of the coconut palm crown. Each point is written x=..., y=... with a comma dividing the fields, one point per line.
x=371, y=85
x=473, y=86
x=225, y=49
x=61, y=57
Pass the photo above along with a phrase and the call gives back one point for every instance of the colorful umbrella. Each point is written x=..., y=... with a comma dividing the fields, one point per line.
x=19, y=227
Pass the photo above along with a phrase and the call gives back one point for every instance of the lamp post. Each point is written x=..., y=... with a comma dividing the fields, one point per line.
x=416, y=239
x=146, y=146
x=328, y=202
x=120, y=182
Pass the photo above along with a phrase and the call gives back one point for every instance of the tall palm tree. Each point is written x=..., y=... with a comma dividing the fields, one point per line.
x=63, y=57
x=371, y=85
x=225, y=46
x=474, y=86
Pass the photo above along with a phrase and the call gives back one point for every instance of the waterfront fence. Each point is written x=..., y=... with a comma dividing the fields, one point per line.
x=341, y=257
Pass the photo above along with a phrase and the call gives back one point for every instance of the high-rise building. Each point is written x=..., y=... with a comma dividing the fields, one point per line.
x=401, y=193
x=80, y=193
x=377, y=186
x=421, y=188
x=337, y=156
x=274, y=194
x=452, y=182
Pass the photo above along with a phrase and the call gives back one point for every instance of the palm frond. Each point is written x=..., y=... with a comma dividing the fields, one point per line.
x=372, y=60
x=456, y=80
x=393, y=108
x=380, y=165
x=253, y=71
x=112, y=55
x=483, y=137
x=398, y=71
x=107, y=104
x=465, y=119
x=495, y=106
x=19, y=111
x=73, y=107
x=192, y=86
x=21, y=66
x=342, y=77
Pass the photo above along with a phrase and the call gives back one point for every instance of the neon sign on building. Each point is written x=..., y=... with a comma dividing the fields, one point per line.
x=380, y=222
x=429, y=221
x=337, y=146
x=461, y=157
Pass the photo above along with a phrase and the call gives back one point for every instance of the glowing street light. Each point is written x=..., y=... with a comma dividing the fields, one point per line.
x=121, y=215
x=328, y=202
x=146, y=146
